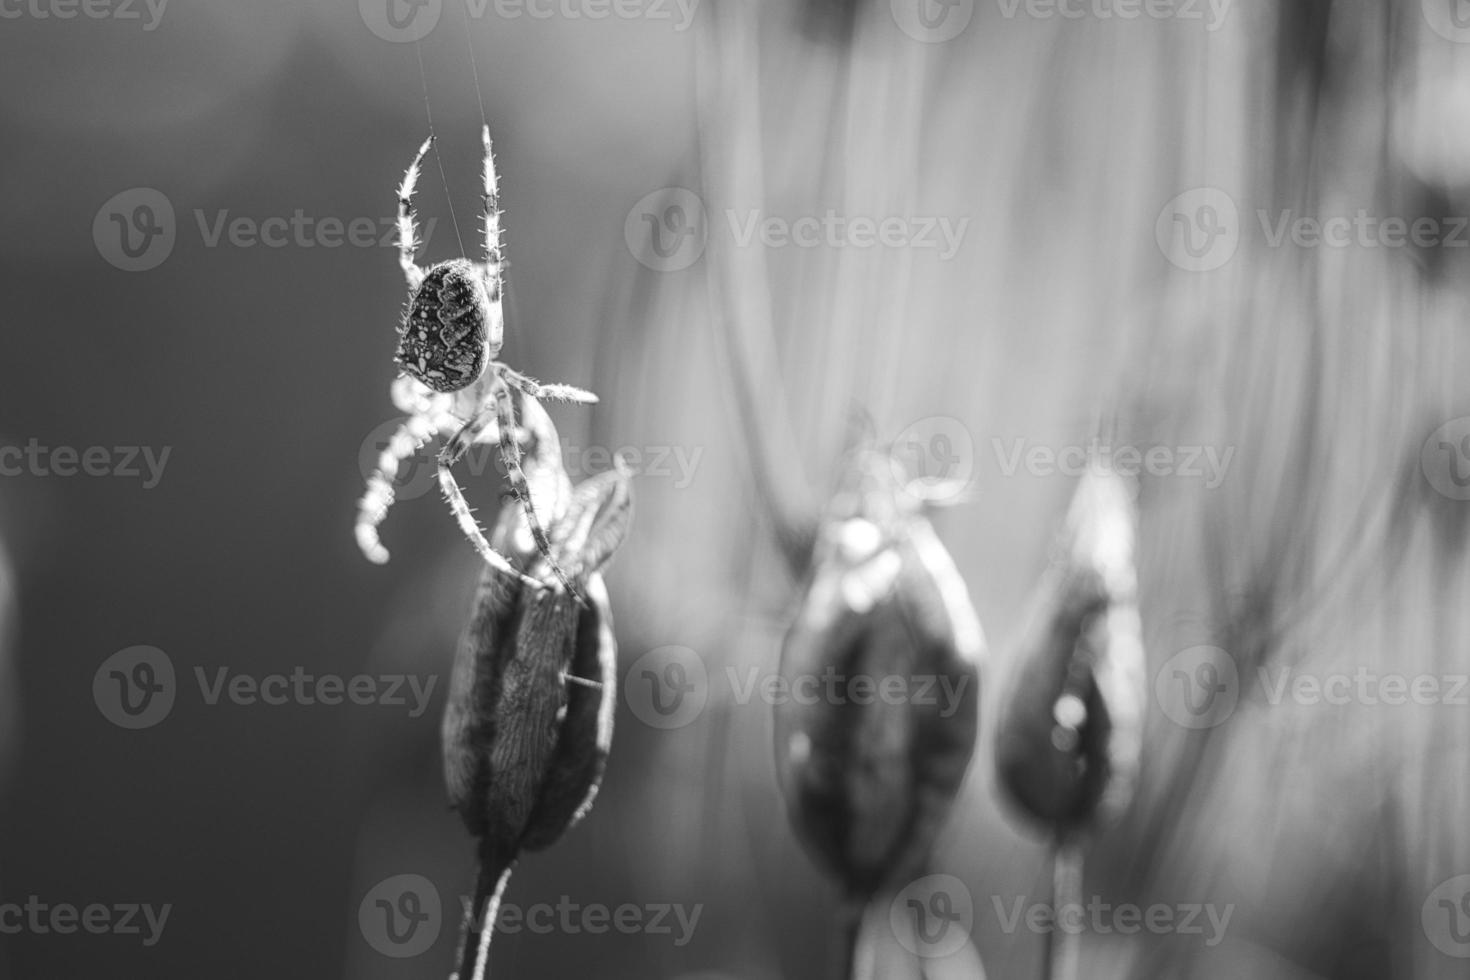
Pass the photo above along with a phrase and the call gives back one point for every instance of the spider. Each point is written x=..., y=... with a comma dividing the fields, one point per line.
x=451, y=385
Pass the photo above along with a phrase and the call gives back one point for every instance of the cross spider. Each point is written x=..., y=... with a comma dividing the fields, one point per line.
x=452, y=385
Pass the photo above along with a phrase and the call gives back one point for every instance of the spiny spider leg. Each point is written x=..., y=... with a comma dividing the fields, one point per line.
x=373, y=508
x=510, y=453
x=408, y=229
x=600, y=511
x=493, y=257
x=555, y=392
x=452, y=452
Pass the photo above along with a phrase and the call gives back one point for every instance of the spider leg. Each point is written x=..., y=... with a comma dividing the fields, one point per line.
x=378, y=497
x=452, y=452
x=555, y=392
x=493, y=258
x=597, y=518
x=408, y=229
x=510, y=453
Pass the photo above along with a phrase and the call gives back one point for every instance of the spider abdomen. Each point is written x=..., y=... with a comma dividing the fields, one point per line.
x=446, y=335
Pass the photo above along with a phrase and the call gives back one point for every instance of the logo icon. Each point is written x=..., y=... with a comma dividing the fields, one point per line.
x=1450, y=19
x=1446, y=917
x=401, y=916
x=933, y=917
x=1199, y=230
x=417, y=471
x=135, y=688
x=934, y=459
x=667, y=687
x=1445, y=458
x=1198, y=687
x=400, y=20
x=667, y=230
x=932, y=21
x=135, y=230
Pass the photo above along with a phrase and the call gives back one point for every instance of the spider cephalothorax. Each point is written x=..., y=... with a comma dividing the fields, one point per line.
x=451, y=329
x=448, y=343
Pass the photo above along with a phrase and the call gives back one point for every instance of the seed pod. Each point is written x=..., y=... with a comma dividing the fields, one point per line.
x=528, y=722
x=868, y=779
x=1070, y=731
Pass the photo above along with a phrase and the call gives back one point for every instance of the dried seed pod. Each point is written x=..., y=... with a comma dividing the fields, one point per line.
x=1070, y=730
x=528, y=722
x=868, y=777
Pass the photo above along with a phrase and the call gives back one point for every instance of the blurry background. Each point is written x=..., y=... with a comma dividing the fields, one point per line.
x=1060, y=144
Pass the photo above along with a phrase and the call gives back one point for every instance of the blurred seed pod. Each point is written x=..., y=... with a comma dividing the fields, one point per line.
x=1070, y=729
x=868, y=777
x=528, y=723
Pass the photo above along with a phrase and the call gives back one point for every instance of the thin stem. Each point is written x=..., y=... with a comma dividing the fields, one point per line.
x=849, y=927
x=1062, y=947
x=474, y=963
